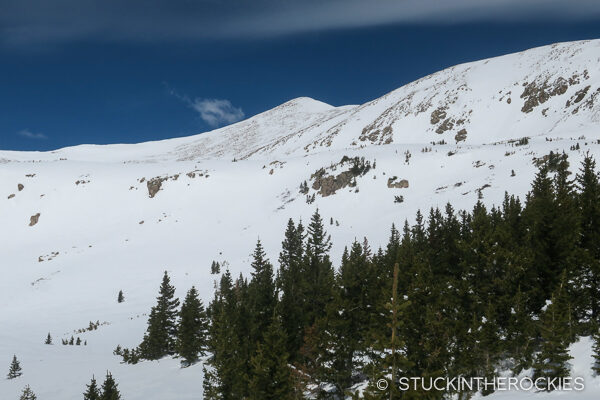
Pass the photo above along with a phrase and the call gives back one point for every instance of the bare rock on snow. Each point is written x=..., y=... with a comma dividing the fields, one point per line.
x=154, y=185
x=393, y=183
x=34, y=219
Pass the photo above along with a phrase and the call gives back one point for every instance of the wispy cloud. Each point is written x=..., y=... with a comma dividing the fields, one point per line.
x=215, y=112
x=26, y=133
x=35, y=22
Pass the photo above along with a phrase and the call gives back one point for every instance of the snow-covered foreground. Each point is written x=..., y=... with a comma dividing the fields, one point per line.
x=99, y=231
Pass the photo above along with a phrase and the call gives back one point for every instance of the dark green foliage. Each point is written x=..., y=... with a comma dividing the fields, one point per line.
x=48, y=339
x=290, y=284
x=552, y=360
x=192, y=328
x=596, y=352
x=271, y=376
x=457, y=294
x=27, y=394
x=14, y=370
x=159, y=339
x=110, y=390
x=261, y=295
x=92, y=391
x=215, y=268
x=317, y=271
x=120, y=297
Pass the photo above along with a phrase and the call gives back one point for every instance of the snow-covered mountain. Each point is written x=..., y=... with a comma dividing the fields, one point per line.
x=81, y=223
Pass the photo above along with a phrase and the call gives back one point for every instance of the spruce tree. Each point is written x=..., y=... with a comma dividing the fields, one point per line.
x=226, y=379
x=92, y=391
x=120, y=297
x=318, y=275
x=48, y=339
x=588, y=183
x=27, y=394
x=261, y=293
x=271, y=376
x=596, y=352
x=552, y=361
x=15, y=369
x=110, y=390
x=192, y=328
x=290, y=284
x=160, y=336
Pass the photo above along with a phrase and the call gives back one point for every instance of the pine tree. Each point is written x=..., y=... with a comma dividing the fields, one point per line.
x=92, y=391
x=78, y=341
x=215, y=268
x=192, y=328
x=120, y=297
x=390, y=347
x=226, y=376
x=28, y=394
x=160, y=336
x=271, y=377
x=552, y=361
x=318, y=275
x=588, y=183
x=110, y=390
x=290, y=285
x=521, y=334
x=596, y=352
x=261, y=293
x=15, y=369
x=48, y=339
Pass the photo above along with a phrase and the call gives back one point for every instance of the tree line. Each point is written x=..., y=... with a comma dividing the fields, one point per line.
x=456, y=294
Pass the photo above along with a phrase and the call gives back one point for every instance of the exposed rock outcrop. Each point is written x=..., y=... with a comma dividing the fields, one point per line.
x=34, y=219
x=393, y=183
x=154, y=185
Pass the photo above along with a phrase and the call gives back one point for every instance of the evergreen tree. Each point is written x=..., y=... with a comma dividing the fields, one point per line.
x=192, y=328
x=15, y=369
x=318, y=276
x=261, y=295
x=521, y=334
x=226, y=376
x=27, y=394
x=271, y=377
x=290, y=284
x=110, y=390
x=120, y=297
x=48, y=339
x=78, y=342
x=92, y=391
x=160, y=336
x=552, y=361
x=596, y=352
x=391, y=348
x=588, y=184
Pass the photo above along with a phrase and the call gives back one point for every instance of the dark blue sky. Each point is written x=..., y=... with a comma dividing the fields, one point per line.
x=138, y=83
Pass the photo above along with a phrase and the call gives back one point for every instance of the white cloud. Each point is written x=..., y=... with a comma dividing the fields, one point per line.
x=34, y=22
x=217, y=112
x=26, y=133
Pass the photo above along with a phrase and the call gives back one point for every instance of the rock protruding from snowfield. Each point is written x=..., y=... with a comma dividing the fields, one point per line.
x=34, y=219
x=393, y=183
x=154, y=185
x=20, y=187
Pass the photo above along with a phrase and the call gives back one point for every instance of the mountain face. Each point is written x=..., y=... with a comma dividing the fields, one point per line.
x=81, y=223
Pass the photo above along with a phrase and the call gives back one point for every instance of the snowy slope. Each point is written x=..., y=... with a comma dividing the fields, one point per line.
x=99, y=230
